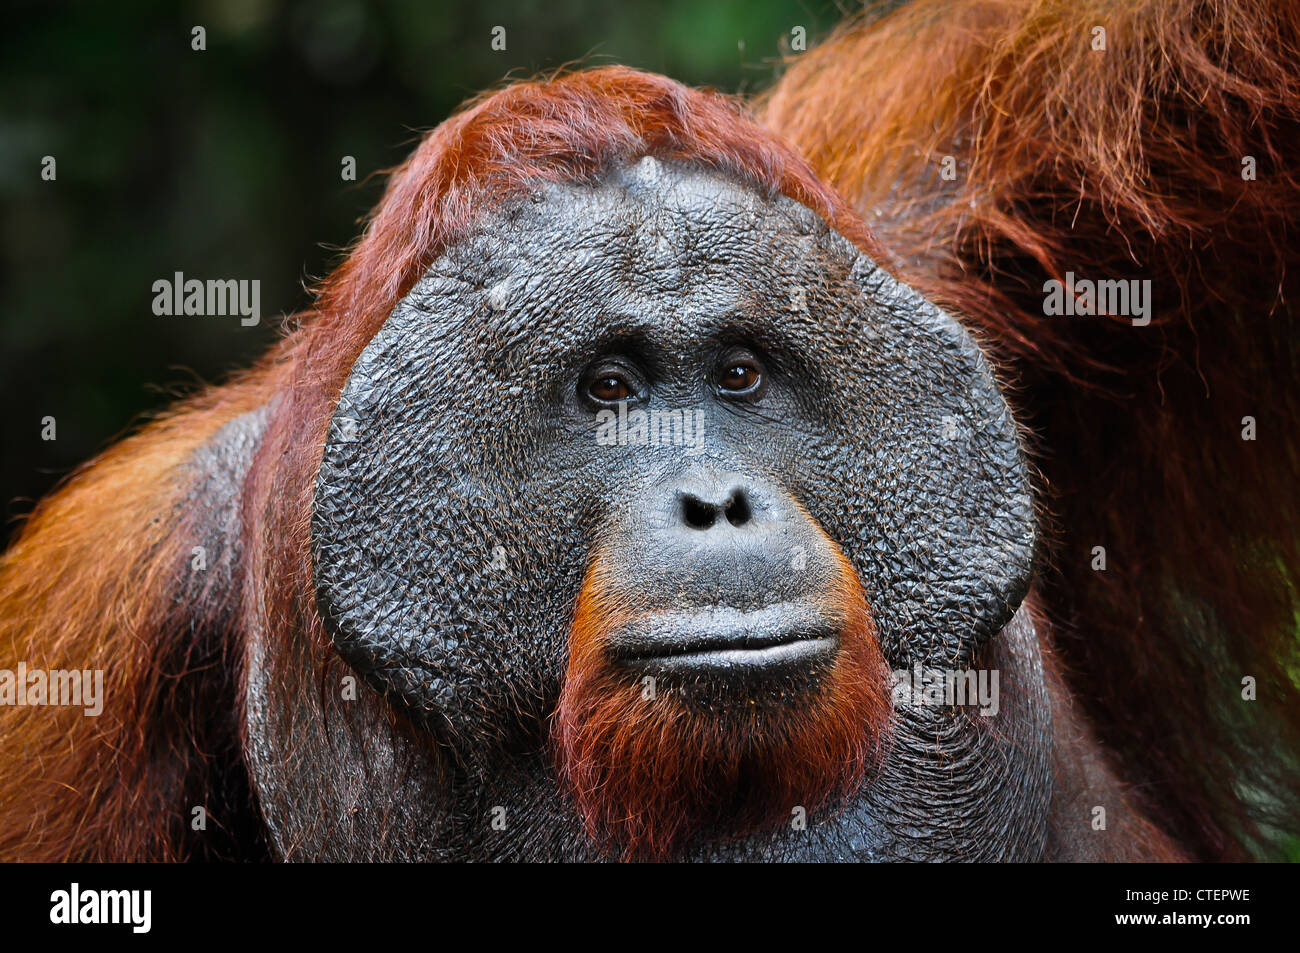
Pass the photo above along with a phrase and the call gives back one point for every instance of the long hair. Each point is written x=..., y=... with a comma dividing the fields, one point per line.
x=998, y=145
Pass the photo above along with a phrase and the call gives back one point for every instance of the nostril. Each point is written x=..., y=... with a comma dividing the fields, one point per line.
x=698, y=514
x=738, y=512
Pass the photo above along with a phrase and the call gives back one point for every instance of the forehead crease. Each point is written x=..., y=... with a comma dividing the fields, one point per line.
x=683, y=234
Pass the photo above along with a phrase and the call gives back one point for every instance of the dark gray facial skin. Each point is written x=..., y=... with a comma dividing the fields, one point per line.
x=464, y=490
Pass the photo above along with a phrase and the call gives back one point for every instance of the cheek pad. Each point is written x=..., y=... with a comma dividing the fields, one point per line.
x=942, y=527
x=434, y=569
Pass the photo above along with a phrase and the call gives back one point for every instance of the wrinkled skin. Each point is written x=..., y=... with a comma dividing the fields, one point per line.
x=463, y=493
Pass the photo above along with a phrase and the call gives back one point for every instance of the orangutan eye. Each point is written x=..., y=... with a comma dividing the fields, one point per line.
x=609, y=389
x=740, y=374
x=608, y=383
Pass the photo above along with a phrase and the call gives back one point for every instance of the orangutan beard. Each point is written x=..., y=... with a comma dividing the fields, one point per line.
x=651, y=769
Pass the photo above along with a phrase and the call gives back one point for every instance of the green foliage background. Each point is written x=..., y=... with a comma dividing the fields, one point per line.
x=226, y=164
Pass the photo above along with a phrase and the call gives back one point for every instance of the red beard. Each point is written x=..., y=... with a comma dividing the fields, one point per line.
x=650, y=774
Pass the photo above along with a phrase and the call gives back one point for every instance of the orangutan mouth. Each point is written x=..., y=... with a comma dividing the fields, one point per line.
x=726, y=641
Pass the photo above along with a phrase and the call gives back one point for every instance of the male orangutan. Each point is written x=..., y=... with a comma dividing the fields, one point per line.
x=624, y=481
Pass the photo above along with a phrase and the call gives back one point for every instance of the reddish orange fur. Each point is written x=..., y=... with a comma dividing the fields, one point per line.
x=648, y=774
x=1122, y=166
x=92, y=583
x=1118, y=164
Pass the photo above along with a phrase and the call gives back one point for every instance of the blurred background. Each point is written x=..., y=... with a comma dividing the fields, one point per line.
x=226, y=162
